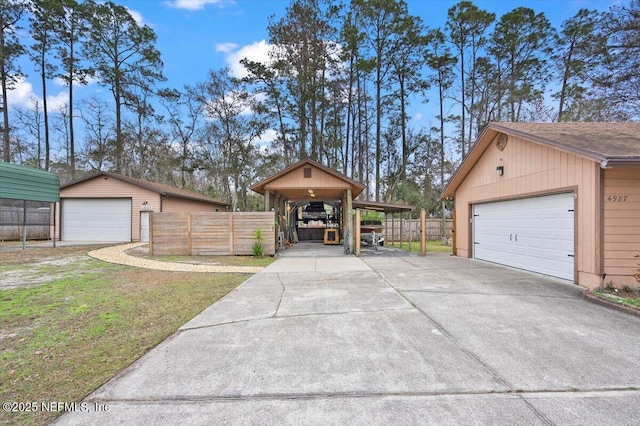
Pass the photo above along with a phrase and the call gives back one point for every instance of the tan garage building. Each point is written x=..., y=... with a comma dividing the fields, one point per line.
x=110, y=207
x=562, y=199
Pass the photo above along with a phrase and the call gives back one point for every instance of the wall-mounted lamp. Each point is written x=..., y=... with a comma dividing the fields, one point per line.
x=500, y=170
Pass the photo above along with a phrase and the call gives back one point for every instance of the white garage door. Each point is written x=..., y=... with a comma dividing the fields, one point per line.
x=86, y=219
x=535, y=234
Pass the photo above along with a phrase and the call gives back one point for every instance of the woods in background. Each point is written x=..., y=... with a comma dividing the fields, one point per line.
x=338, y=87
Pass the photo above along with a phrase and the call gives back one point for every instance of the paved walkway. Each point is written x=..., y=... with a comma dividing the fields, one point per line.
x=117, y=254
x=387, y=340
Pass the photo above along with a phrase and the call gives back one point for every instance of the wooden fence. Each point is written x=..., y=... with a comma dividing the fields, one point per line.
x=11, y=223
x=209, y=233
x=394, y=229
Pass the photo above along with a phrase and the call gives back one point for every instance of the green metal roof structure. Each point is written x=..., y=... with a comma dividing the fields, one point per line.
x=25, y=183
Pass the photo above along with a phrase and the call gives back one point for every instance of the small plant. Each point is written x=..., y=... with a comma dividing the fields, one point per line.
x=610, y=287
x=258, y=244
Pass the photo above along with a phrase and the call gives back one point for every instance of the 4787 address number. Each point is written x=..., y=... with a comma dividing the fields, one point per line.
x=617, y=198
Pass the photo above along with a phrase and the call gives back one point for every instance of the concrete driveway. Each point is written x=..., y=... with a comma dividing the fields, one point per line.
x=387, y=340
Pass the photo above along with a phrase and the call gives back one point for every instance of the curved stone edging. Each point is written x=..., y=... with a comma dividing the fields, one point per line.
x=604, y=302
x=116, y=254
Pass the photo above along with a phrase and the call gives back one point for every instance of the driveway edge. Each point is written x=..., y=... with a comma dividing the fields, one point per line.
x=604, y=302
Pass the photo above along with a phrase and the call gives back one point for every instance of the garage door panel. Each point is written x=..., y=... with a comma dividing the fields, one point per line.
x=535, y=234
x=96, y=219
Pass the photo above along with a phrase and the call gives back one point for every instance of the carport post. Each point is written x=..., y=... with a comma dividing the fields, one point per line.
x=393, y=228
x=423, y=233
x=349, y=205
x=54, y=221
x=24, y=224
x=401, y=227
x=410, y=229
x=357, y=242
x=267, y=200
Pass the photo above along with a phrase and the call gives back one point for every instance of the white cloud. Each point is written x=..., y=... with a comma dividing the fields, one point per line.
x=265, y=139
x=55, y=102
x=195, y=4
x=226, y=47
x=258, y=52
x=23, y=96
x=137, y=16
x=417, y=117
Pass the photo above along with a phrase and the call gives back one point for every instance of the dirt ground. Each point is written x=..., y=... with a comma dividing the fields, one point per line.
x=36, y=266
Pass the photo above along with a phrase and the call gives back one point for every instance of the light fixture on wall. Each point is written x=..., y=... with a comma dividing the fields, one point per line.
x=500, y=170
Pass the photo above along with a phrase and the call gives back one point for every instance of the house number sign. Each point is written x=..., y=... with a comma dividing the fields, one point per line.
x=617, y=198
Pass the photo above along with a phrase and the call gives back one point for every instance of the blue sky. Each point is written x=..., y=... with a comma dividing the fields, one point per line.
x=196, y=36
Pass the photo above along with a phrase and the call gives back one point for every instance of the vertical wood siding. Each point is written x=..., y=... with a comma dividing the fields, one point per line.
x=532, y=169
x=319, y=179
x=621, y=224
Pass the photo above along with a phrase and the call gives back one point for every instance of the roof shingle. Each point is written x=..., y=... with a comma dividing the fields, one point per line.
x=603, y=140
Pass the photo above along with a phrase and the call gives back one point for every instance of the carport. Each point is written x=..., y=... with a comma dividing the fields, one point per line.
x=386, y=208
x=307, y=183
x=301, y=184
x=29, y=184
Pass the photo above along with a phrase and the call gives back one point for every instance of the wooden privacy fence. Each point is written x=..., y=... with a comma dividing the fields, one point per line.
x=392, y=229
x=11, y=223
x=209, y=233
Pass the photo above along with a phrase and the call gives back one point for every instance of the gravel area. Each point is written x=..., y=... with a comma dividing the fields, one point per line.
x=116, y=254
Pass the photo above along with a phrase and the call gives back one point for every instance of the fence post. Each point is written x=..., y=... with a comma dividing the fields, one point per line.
x=423, y=233
x=189, y=234
x=231, y=238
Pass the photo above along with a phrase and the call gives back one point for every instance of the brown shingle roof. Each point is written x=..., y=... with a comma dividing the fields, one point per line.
x=601, y=140
x=610, y=144
x=159, y=188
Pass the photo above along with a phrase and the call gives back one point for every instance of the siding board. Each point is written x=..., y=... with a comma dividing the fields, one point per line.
x=621, y=224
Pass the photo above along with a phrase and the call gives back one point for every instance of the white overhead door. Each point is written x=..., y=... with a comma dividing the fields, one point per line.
x=535, y=234
x=88, y=219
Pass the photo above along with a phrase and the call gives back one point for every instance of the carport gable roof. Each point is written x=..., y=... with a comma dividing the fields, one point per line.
x=272, y=181
x=610, y=144
x=164, y=190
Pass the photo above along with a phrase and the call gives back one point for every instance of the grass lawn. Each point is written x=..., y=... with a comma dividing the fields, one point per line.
x=432, y=246
x=62, y=338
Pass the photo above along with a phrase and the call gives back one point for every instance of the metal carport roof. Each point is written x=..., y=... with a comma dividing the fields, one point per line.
x=25, y=183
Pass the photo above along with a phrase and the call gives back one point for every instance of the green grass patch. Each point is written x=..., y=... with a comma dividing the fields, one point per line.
x=63, y=339
x=432, y=246
x=631, y=301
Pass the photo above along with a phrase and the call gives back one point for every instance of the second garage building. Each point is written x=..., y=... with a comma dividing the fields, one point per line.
x=109, y=207
x=561, y=199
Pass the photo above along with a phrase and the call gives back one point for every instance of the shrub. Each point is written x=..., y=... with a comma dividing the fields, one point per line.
x=258, y=245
